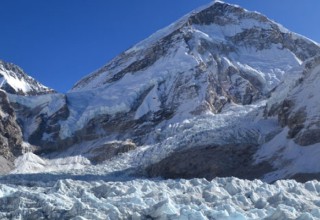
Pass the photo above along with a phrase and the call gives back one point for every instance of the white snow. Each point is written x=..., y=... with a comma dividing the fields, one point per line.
x=18, y=81
x=306, y=95
x=31, y=163
x=288, y=157
x=67, y=186
x=119, y=97
x=94, y=97
x=286, y=86
x=271, y=65
x=236, y=124
x=94, y=197
x=151, y=103
x=28, y=162
x=221, y=33
x=47, y=105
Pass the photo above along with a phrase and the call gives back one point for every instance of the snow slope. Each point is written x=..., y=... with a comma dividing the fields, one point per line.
x=204, y=24
x=300, y=118
x=31, y=163
x=13, y=80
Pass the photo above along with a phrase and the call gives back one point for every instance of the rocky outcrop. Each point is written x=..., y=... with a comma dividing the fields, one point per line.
x=5, y=165
x=299, y=110
x=39, y=118
x=210, y=162
x=10, y=132
x=109, y=150
x=13, y=80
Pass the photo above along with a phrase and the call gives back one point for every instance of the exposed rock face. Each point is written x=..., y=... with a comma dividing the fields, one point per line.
x=299, y=110
x=5, y=165
x=109, y=150
x=10, y=132
x=40, y=117
x=13, y=81
x=210, y=162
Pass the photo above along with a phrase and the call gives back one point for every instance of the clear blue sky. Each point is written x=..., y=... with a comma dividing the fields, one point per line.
x=60, y=41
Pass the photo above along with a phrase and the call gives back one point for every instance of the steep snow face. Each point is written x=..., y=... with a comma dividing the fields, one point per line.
x=13, y=80
x=289, y=159
x=302, y=104
x=34, y=112
x=222, y=25
x=298, y=112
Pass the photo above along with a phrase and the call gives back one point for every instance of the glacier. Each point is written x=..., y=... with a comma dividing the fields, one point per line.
x=92, y=196
x=224, y=101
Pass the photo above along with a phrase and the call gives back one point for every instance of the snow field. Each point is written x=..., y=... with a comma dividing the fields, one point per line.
x=31, y=163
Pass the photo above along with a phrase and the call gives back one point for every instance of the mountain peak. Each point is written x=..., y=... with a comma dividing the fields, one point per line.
x=220, y=13
x=15, y=81
x=228, y=28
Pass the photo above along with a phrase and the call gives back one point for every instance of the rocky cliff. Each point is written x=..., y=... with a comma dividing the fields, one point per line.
x=10, y=135
x=14, y=81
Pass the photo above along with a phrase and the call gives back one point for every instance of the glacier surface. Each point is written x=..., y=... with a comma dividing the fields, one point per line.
x=114, y=196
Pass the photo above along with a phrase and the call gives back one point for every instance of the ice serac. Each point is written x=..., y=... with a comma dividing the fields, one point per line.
x=15, y=81
x=221, y=198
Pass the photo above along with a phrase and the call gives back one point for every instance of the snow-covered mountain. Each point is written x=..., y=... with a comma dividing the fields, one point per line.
x=221, y=92
x=13, y=80
x=208, y=84
x=207, y=88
